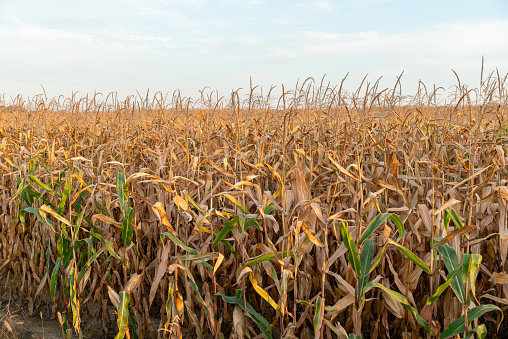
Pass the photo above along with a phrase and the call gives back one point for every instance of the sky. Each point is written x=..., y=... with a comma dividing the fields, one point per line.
x=135, y=45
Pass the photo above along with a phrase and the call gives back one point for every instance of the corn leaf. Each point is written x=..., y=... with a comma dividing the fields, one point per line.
x=225, y=230
x=318, y=317
x=442, y=287
x=127, y=227
x=481, y=332
x=54, y=277
x=403, y=300
x=267, y=257
x=451, y=263
x=411, y=256
x=123, y=314
x=450, y=214
x=259, y=290
x=350, y=245
x=378, y=221
x=258, y=319
x=458, y=326
x=178, y=242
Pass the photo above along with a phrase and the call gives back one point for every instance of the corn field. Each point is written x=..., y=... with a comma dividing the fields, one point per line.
x=320, y=213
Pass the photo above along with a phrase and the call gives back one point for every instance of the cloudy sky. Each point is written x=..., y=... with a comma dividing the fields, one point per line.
x=129, y=45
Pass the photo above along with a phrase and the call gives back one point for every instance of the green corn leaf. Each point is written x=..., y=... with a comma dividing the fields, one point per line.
x=200, y=257
x=36, y=212
x=365, y=262
x=267, y=257
x=411, y=256
x=269, y=209
x=481, y=332
x=225, y=230
x=193, y=203
x=89, y=262
x=109, y=245
x=123, y=192
x=258, y=319
x=127, y=227
x=234, y=201
x=318, y=316
x=378, y=221
x=134, y=323
x=451, y=263
x=230, y=248
x=76, y=319
x=403, y=300
x=252, y=223
x=466, y=266
x=350, y=245
x=79, y=220
x=474, y=265
x=400, y=227
x=367, y=256
x=450, y=214
x=377, y=260
x=54, y=278
x=21, y=187
x=123, y=314
x=458, y=326
x=178, y=242
x=442, y=287
x=65, y=194
x=42, y=185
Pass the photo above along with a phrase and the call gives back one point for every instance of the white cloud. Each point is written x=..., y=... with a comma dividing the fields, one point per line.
x=318, y=5
x=449, y=40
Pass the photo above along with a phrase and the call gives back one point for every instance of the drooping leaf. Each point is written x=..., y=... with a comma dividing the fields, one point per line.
x=193, y=285
x=259, y=290
x=109, y=245
x=42, y=185
x=377, y=260
x=458, y=326
x=411, y=256
x=442, y=287
x=403, y=300
x=89, y=262
x=311, y=236
x=450, y=214
x=234, y=201
x=178, y=242
x=267, y=257
x=258, y=319
x=454, y=234
x=47, y=209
